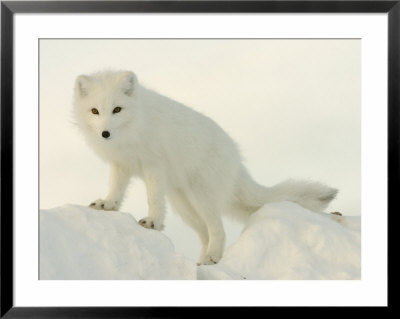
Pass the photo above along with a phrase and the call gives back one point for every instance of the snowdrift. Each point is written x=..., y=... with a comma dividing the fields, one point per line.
x=280, y=241
x=286, y=241
x=81, y=243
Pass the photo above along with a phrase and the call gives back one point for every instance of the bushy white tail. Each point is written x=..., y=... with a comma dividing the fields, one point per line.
x=311, y=195
x=314, y=196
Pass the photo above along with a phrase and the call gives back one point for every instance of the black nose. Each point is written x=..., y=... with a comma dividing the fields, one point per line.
x=105, y=134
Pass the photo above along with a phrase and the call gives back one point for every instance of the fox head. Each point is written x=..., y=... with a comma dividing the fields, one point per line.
x=105, y=103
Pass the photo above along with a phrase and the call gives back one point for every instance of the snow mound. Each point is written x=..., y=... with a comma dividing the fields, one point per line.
x=81, y=243
x=280, y=241
x=285, y=241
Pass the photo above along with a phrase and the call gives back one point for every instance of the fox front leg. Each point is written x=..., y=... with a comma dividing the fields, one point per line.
x=119, y=179
x=156, y=201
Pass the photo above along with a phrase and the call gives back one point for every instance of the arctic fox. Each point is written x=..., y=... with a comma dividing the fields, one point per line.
x=180, y=154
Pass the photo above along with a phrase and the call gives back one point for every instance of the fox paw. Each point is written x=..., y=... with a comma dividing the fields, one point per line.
x=336, y=216
x=209, y=260
x=149, y=223
x=101, y=204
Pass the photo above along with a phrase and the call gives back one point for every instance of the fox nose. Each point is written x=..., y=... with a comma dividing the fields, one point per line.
x=105, y=134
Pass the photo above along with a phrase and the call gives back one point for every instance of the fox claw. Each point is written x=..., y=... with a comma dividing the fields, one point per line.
x=147, y=222
x=104, y=205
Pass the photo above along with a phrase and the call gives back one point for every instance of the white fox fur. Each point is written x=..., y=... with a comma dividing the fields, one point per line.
x=179, y=154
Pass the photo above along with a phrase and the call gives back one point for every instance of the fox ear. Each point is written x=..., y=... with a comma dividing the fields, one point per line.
x=82, y=85
x=129, y=83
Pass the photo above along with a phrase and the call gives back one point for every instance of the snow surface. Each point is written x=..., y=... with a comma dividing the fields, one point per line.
x=280, y=241
x=82, y=243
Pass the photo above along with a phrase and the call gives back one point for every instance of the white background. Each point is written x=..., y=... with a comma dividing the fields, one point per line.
x=274, y=141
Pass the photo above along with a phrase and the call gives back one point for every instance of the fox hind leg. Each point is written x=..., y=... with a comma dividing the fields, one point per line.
x=188, y=214
x=209, y=209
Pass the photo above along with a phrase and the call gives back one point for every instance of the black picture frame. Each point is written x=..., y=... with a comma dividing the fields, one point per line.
x=9, y=8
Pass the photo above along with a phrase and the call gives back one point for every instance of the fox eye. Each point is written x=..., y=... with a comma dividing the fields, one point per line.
x=95, y=111
x=117, y=109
